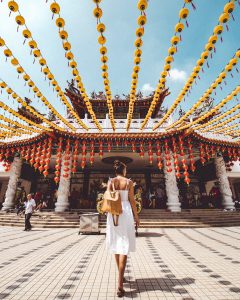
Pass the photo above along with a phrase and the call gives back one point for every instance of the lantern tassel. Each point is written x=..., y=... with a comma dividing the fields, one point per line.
x=193, y=6
x=180, y=37
x=208, y=65
x=187, y=23
x=221, y=39
x=227, y=27
x=232, y=16
x=215, y=50
x=231, y=75
x=237, y=70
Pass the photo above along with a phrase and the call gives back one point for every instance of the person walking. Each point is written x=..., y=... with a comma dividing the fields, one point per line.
x=121, y=239
x=30, y=205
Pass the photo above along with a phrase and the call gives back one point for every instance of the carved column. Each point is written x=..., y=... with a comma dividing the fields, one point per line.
x=224, y=185
x=63, y=192
x=172, y=191
x=15, y=172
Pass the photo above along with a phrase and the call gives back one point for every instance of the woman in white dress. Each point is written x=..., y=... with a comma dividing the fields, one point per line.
x=121, y=239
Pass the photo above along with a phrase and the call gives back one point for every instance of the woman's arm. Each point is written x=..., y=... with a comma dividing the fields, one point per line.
x=133, y=202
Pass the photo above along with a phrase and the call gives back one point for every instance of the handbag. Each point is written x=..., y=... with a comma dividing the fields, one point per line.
x=112, y=204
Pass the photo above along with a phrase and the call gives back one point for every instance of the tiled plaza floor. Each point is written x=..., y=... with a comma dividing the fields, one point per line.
x=169, y=264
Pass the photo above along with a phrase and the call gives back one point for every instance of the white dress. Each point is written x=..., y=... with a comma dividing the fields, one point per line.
x=121, y=239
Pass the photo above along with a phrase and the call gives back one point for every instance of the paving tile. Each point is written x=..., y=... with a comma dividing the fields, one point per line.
x=169, y=264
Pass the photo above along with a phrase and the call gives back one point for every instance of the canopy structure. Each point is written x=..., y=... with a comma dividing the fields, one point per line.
x=100, y=121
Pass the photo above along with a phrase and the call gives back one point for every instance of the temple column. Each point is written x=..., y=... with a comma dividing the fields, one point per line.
x=224, y=185
x=172, y=191
x=15, y=172
x=63, y=192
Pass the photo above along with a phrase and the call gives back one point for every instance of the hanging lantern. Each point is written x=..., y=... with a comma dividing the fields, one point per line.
x=13, y=6
x=101, y=149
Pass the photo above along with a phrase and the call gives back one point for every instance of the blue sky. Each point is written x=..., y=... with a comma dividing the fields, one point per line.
x=119, y=17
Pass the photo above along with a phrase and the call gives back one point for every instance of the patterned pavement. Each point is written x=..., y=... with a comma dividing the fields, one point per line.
x=169, y=264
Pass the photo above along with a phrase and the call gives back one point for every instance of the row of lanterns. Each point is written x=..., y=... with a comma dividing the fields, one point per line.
x=209, y=47
x=15, y=96
x=35, y=51
x=97, y=12
x=63, y=34
x=233, y=62
x=142, y=19
x=214, y=110
x=39, y=154
x=175, y=40
x=19, y=116
x=31, y=84
x=221, y=124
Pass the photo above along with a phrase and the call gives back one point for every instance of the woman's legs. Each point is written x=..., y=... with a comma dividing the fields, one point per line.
x=117, y=259
x=121, y=269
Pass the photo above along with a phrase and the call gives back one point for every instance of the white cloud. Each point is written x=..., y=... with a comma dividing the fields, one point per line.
x=147, y=89
x=178, y=75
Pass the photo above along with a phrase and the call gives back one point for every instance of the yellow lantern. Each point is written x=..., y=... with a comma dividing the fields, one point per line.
x=218, y=29
x=238, y=53
x=164, y=74
x=9, y=91
x=50, y=76
x=104, y=68
x=167, y=67
x=169, y=59
x=183, y=13
x=172, y=50
x=14, y=95
x=69, y=55
x=13, y=6
x=60, y=22
x=104, y=59
x=19, y=70
x=101, y=27
x=7, y=52
x=3, y=85
x=37, y=53
x=137, y=60
x=179, y=27
x=142, y=20
x=209, y=47
x=233, y=61
x=32, y=44
x=223, y=75
x=229, y=7
x=105, y=75
x=35, y=89
x=63, y=34
x=138, y=42
x=103, y=50
x=66, y=46
x=73, y=64
x=97, y=12
x=55, y=8
x=14, y=62
x=2, y=42
x=136, y=69
x=228, y=68
x=26, y=77
x=30, y=83
x=224, y=18
x=42, y=62
x=175, y=40
x=200, y=62
x=140, y=32
x=101, y=40
x=204, y=55
x=57, y=88
x=142, y=5
x=26, y=33
x=20, y=20
x=46, y=70
x=138, y=52
x=213, y=39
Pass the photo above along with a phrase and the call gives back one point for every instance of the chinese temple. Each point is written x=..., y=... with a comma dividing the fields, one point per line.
x=184, y=162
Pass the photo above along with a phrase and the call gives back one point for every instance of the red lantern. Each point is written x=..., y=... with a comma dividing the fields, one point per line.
x=133, y=146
